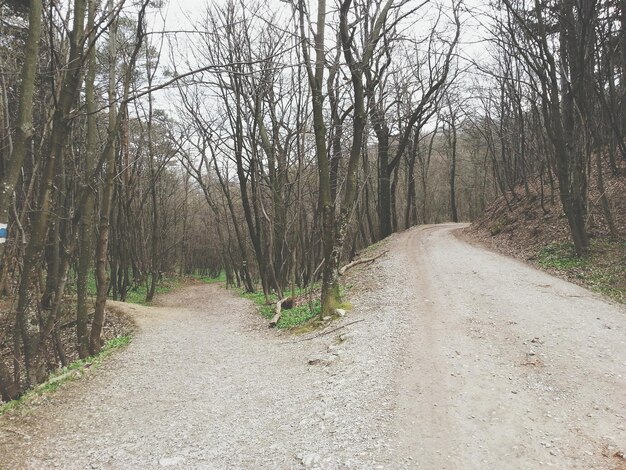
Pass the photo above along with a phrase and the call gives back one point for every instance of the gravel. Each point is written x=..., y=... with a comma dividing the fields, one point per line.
x=205, y=384
x=437, y=374
x=506, y=366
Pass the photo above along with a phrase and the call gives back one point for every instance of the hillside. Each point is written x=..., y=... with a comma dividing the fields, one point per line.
x=535, y=229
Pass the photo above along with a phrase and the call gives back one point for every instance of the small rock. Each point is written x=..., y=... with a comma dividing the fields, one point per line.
x=327, y=318
x=345, y=336
x=335, y=349
x=341, y=312
x=171, y=461
x=310, y=460
x=322, y=360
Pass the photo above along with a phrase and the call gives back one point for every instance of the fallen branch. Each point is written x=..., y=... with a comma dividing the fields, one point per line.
x=360, y=261
x=324, y=333
x=276, y=317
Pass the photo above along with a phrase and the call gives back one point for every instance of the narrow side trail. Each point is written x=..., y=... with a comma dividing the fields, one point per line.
x=461, y=359
x=507, y=367
x=205, y=384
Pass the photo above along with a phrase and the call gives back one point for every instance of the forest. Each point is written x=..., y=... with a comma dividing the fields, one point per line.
x=271, y=142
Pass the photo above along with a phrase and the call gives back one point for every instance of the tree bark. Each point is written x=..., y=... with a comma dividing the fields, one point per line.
x=24, y=123
x=57, y=141
x=87, y=211
x=101, y=273
x=114, y=126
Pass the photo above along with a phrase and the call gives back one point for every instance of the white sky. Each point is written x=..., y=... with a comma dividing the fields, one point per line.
x=181, y=15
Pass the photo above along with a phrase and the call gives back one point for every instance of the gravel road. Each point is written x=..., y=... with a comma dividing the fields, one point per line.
x=460, y=359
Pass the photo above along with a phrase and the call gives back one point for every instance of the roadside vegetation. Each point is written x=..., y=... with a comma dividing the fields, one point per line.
x=137, y=294
x=306, y=306
x=602, y=269
x=69, y=373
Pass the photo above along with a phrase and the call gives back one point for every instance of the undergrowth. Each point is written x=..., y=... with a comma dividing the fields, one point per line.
x=291, y=317
x=299, y=314
x=137, y=294
x=66, y=374
x=603, y=269
x=209, y=279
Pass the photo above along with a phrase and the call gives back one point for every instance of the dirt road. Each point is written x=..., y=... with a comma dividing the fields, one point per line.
x=508, y=367
x=464, y=359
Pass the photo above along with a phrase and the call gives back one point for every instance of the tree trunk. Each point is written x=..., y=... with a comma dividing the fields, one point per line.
x=114, y=126
x=60, y=129
x=393, y=196
x=410, y=214
x=87, y=211
x=102, y=276
x=452, y=139
x=384, y=186
x=155, y=228
x=24, y=123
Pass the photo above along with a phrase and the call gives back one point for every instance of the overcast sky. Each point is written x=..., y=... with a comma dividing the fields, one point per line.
x=181, y=16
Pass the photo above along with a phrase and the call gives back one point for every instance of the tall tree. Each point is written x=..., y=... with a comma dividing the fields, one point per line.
x=432, y=71
x=115, y=117
x=24, y=122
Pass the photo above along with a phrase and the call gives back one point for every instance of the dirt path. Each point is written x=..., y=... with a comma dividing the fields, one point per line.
x=205, y=384
x=464, y=359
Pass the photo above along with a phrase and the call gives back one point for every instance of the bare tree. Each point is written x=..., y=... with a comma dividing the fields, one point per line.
x=561, y=82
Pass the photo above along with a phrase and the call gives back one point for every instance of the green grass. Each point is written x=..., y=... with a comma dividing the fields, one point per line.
x=603, y=269
x=66, y=374
x=208, y=279
x=290, y=318
x=137, y=294
x=496, y=228
x=560, y=256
